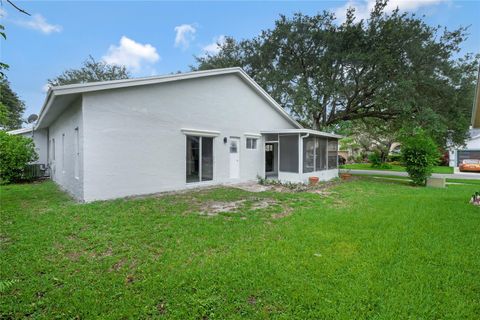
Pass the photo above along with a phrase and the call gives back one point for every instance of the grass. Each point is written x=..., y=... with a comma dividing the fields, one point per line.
x=367, y=166
x=408, y=180
x=365, y=248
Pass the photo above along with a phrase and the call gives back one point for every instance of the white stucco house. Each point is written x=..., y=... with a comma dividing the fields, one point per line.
x=471, y=149
x=130, y=137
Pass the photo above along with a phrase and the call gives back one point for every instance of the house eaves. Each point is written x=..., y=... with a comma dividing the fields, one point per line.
x=60, y=96
x=303, y=131
x=20, y=131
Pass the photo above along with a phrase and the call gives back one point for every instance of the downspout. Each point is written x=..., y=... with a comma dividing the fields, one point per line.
x=300, y=155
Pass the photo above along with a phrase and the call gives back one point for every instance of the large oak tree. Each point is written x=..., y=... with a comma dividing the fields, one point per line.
x=392, y=67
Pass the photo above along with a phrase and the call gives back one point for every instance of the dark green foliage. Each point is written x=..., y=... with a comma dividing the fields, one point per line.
x=91, y=71
x=377, y=162
x=16, y=152
x=11, y=107
x=391, y=67
x=395, y=158
x=3, y=66
x=420, y=154
x=375, y=159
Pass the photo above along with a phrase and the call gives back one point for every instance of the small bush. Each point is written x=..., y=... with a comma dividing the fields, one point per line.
x=15, y=153
x=361, y=158
x=376, y=161
x=420, y=154
x=395, y=158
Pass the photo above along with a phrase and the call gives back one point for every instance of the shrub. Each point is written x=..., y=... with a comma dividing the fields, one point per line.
x=420, y=154
x=395, y=158
x=376, y=161
x=15, y=153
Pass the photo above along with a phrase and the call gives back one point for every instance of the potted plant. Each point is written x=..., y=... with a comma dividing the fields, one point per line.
x=313, y=180
x=345, y=175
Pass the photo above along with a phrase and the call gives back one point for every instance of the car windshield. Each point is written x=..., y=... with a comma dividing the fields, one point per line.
x=471, y=161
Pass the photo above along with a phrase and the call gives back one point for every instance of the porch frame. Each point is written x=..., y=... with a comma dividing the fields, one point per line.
x=300, y=176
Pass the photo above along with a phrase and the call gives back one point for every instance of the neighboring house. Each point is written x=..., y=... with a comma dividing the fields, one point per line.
x=141, y=136
x=40, y=138
x=471, y=150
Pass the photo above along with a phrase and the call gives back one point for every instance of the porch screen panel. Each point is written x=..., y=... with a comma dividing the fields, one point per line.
x=193, y=159
x=332, y=153
x=289, y=153
x=321, y=154
x=207, y=159
x=309, y=154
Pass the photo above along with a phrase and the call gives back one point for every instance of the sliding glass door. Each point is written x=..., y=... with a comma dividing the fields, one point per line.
x=199, y=160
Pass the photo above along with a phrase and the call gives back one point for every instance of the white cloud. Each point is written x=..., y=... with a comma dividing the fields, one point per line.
x=185, y=33
x=364, y=7
x=39, y=23
x=3, y=13
x=131, y=54
x=214, y=47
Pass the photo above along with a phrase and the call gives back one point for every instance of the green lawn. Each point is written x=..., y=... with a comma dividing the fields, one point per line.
x=365, y=248
x=367, y=166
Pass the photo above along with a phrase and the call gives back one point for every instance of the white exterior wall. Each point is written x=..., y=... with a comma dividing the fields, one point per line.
x=323, y=175
x=133, y=139
x=40, y=139
x=62, y=166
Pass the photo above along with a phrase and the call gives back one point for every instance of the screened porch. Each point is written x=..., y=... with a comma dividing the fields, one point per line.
x=294, y=155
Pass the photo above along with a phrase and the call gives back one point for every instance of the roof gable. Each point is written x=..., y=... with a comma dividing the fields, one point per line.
x=58, y=98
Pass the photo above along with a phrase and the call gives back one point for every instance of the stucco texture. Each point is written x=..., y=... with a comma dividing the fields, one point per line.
x=133, y=143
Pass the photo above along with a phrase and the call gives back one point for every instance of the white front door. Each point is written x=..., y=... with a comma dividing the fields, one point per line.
x=234, y=158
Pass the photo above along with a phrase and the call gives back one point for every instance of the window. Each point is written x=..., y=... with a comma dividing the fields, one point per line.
x=252, y=143
x=77, y=154
x=271, y=137
x=53, y=149
x=332, y=153
x=63, y=152
x=199, y=161
x=289, y=153
x=233, y=146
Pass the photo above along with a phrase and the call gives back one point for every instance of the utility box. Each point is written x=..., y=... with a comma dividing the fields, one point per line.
x=436, y=182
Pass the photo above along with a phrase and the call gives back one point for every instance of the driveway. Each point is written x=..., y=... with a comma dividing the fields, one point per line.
x=469, y=176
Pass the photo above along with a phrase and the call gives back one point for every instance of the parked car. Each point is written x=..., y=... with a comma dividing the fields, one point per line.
x=472, y=165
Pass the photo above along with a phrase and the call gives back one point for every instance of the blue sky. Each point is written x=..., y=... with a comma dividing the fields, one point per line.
x=162, y=37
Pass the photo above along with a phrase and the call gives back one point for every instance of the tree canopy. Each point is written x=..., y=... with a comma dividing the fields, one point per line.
x=11, y=107
x=91, y=71
x=392, y=67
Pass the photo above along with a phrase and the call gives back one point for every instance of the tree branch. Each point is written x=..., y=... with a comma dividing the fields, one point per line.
x=18, y=8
